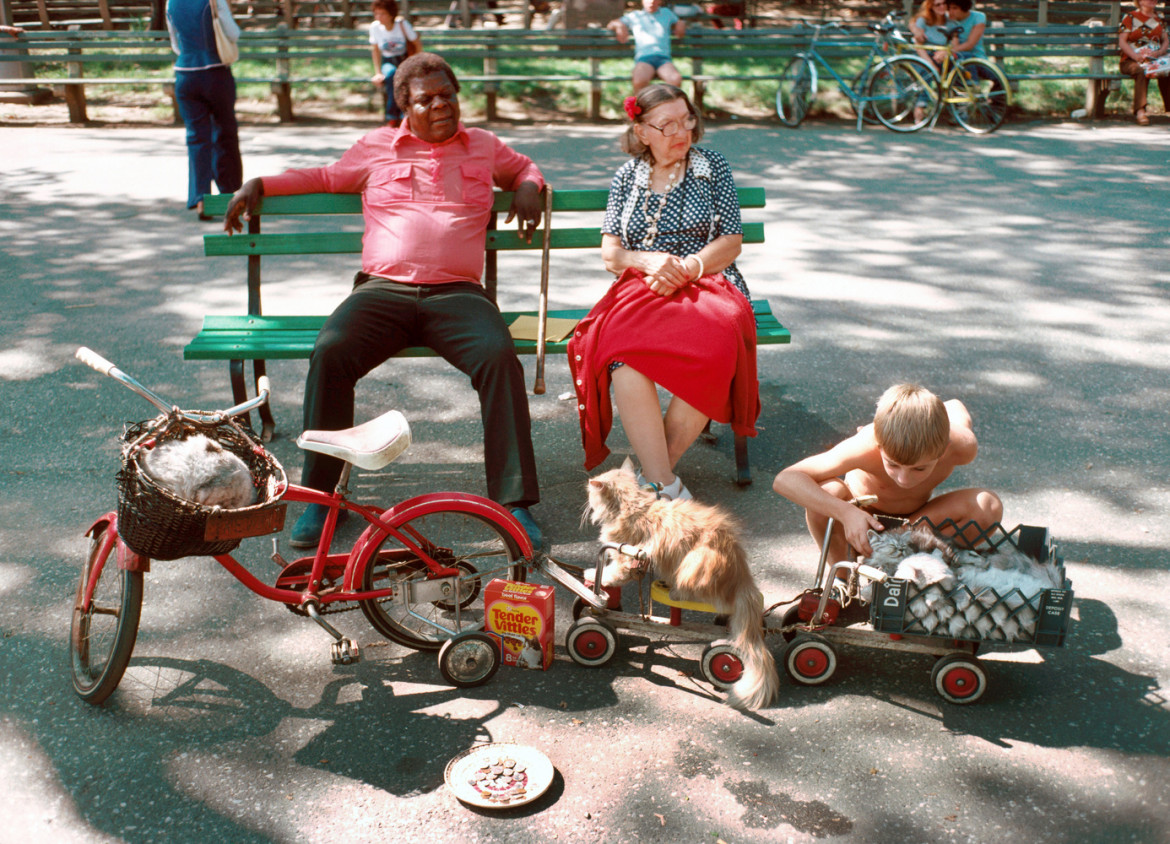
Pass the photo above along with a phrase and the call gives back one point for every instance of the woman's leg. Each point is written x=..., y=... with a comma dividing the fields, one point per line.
x=636, y=397
x=196, y=116
x=658, y=442
x=392, y=113
x=683, y=425
x=643, y=75
x=225, y=135
x=1140, y=83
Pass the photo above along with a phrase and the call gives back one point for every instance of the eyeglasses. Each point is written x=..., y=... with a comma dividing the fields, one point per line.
x=673, y=127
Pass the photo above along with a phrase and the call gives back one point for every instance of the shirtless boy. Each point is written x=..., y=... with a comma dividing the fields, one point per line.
x=914, y=443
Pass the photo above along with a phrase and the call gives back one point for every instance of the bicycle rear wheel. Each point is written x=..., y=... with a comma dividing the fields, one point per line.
x=102, y=638
x=418, y=615
x=977, y=96
x=798, y=85
x=901, y=86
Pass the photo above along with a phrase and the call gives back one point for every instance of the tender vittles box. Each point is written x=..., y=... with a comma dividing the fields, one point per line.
x=521, y=617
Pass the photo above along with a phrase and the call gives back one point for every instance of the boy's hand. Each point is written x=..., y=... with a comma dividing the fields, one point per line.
x=856, y=527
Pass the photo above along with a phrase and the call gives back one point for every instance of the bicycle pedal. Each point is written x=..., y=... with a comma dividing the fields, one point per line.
x=345, y=652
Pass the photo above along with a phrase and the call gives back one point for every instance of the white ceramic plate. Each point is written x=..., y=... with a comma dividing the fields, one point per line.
x=462, y=770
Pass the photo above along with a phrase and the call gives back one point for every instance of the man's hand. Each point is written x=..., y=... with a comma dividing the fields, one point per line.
x=243, y=205
x=856, y=527
x=526, y=205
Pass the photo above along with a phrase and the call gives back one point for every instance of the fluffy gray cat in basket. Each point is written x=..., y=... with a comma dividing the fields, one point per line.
x=200, y=470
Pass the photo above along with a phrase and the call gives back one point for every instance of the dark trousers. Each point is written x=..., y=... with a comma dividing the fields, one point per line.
x=1141, y=84
x=460, y=323
x=207, y=104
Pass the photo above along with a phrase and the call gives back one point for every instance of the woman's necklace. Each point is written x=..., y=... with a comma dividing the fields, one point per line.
x=652, y=217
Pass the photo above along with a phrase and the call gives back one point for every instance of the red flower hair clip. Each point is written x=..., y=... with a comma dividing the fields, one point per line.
x=632, y=108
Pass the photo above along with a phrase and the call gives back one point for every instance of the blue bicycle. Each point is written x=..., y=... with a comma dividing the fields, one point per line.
x=889, y=85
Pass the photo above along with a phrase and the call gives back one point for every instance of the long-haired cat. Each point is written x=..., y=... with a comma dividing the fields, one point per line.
x=200, y=470
x=695, y=548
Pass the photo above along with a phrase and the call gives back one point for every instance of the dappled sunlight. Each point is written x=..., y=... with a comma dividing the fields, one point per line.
x=14, y=577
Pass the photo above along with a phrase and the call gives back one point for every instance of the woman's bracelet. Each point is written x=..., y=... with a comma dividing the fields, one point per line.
x=695, y=255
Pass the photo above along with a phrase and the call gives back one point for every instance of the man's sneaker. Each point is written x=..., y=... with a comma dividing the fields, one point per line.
x=306, y=533
x=524, y=517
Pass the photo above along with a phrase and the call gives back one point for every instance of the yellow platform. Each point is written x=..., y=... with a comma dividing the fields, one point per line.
x=660, y=592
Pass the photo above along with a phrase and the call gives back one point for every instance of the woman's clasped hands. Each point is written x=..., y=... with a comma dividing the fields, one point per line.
x=666, y=273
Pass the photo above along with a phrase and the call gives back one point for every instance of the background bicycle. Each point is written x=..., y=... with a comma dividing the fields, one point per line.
x=888, y=87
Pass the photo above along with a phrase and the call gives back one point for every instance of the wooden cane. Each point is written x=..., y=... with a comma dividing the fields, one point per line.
x=542, y=304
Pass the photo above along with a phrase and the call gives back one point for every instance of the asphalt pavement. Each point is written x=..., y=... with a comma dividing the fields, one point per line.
x=1024, y=273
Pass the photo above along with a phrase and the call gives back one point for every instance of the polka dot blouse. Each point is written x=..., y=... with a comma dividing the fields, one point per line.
x=697, y=211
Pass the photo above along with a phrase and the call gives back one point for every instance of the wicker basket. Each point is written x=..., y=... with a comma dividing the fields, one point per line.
x=156, y=523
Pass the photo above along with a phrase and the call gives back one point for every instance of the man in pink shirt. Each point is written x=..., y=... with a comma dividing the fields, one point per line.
x=426, y=196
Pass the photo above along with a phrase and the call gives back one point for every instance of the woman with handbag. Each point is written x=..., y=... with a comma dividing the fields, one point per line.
x=204, y=35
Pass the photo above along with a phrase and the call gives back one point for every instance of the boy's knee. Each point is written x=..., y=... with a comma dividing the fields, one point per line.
x=990, y=506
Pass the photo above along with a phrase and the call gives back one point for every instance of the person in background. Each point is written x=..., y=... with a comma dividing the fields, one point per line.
x=205, y=91
x=929, y=27
x=966, y=28
x=652, y=27
x=1142, y=38
x=393, y=39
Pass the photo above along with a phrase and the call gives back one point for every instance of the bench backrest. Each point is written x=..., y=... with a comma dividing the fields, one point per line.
x=338, y=210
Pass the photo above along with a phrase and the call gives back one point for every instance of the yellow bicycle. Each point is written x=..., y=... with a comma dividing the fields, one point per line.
x=974, y=90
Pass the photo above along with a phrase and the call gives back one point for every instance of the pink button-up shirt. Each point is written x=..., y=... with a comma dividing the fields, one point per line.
x=426, y=206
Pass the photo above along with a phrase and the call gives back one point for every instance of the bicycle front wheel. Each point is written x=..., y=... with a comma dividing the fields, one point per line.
x=102, y=637
x=424, y=612
x=903, y=93
x=798, y=85
x=977, y=96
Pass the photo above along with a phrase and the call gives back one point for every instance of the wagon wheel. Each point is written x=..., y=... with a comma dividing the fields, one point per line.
x=959, y=679
x=591, y=641
x=721, y=664
x=810, y=660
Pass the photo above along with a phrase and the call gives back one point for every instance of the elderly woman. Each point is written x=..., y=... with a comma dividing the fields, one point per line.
x=1142, y=39
x=678, y=316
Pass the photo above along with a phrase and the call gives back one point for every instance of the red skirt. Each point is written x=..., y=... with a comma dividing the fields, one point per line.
x=698, y=343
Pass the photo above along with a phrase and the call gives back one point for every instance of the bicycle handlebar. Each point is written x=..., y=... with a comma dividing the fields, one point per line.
x=95, y=361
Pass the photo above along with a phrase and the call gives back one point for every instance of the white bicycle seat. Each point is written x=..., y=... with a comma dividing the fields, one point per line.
x=371, y=445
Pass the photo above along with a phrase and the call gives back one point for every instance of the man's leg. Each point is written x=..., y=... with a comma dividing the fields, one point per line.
x=460, y=323
x=374, y=322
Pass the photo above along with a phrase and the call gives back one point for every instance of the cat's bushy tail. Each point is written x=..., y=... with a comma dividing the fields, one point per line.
x=760, y=682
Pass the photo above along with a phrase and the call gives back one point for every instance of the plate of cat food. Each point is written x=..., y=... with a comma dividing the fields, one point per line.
x=499, y=775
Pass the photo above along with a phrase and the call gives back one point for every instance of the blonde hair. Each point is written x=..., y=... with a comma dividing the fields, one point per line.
x=911, y=424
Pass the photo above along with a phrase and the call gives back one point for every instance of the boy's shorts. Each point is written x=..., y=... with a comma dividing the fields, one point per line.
x=655, y=60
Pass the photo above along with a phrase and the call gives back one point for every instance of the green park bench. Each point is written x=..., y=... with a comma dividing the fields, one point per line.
x=258, y=336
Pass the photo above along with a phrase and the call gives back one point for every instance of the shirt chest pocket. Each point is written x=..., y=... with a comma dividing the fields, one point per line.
x=395, y=184
x=477, y=185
